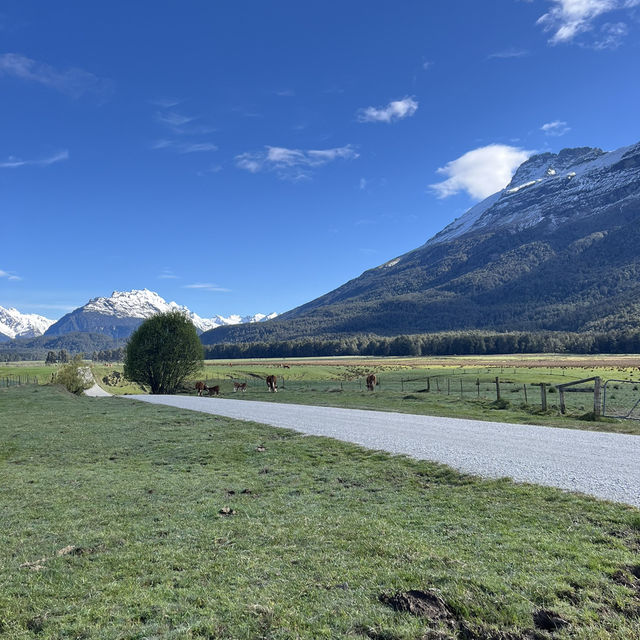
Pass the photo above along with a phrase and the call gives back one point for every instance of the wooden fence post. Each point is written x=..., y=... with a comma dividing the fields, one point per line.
x=460, y=388
x=543, y=395
x=597, y=404
x=525, y=394
x=448, y=386
x=497, y=388
x=563, y=408
x=478, y=386
x=428, y=385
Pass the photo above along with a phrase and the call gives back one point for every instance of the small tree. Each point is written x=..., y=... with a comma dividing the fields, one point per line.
x=74, y=376
x=51, y=358
x=162, y=352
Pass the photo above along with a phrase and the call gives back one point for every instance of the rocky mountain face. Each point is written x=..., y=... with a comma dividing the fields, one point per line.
x=121, y=313
x=557, y=249
x=14, y=324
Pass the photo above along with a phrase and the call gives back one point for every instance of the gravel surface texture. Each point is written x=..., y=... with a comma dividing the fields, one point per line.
x=606, y=465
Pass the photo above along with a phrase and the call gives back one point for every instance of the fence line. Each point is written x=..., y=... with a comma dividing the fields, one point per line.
x=13, y=380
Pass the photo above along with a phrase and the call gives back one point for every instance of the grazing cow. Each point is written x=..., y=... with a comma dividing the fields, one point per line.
x=239, y=386
x=214, y=391
x=272, y=383
x=200, y=387
x=371, y=381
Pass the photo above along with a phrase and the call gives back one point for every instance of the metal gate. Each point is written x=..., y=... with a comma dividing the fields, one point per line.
x=621, y=399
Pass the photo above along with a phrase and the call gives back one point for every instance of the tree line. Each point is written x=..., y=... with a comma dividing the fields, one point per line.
x=438, y=344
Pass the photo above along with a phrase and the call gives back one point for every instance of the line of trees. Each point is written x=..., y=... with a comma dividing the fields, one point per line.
x=439, y=344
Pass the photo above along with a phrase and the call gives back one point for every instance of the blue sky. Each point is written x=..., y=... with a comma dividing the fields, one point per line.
x=249, y=156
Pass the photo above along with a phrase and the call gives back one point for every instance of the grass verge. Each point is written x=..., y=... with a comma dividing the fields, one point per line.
x=125, y=520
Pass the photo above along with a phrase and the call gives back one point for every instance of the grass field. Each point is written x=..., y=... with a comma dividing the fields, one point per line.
x=459, y=386
x=123, y=520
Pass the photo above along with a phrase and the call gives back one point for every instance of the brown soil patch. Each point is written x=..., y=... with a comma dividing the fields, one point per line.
x=426, y=604
x=549, y=620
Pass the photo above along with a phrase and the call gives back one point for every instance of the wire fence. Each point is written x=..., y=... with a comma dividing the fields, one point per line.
x=621, y=399
x=543, y=395
x=17, y=380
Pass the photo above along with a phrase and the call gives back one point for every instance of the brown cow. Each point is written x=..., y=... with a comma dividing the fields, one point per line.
x=272, y=383
x=200, y=387
x=372, y=381
x=239, y=386
x=214, y=391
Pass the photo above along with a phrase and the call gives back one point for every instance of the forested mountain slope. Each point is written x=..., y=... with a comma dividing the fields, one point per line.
x=557, y=250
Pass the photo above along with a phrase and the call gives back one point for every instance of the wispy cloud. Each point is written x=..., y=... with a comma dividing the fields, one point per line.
x=556, y=128
x=509, y=53
x=166, y=103
x=172, y=119
x=13, y=162
x=363, y=184
x=286, y=93
x=395, y=110
x=427, y=64
x=206, y=286
x=569, y=18
x=292, y=164
x=184, y=147
x=9, y=275
x=480, y=172
x=167, y=274
x=611, y=35
x=73, y=82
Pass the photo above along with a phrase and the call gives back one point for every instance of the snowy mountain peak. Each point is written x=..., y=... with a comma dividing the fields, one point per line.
x=551, y=187
x=122, y=307
x=14, y=324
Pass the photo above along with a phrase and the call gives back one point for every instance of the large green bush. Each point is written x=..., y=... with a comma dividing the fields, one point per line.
x=74, y=376
x=162, y=352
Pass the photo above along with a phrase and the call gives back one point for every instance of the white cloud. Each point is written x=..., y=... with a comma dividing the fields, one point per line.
x=509, y=53
x=292, y=164
x=173, y=119
x=611, y=35
x=569, y=18
x=12, y=162
x=556, y=128
x=167, y=274
x=363, y=184
x=9, y=275
x=205, y=286
x=427, y=64
x=480, y=172
x=286, y=93
x=396, y=110
x=184, y=147
x=73, y=82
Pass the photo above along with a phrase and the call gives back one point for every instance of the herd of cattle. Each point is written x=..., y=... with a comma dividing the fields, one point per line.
x=272, y=385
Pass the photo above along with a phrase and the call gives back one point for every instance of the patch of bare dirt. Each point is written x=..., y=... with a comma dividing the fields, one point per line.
x=426, y=604
x=548, y=620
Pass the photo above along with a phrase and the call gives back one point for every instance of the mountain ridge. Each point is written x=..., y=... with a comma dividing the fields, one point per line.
x=556, y=250
x=121, y=313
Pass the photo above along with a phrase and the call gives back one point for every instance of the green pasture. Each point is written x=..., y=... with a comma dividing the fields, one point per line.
x=122, y=520
x=448, y=386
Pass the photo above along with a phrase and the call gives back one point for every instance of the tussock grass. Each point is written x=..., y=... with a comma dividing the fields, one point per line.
x=126, y=520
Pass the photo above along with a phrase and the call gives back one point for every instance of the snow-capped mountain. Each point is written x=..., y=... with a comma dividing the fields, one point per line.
x=14, y=324
x=551, y=187
x=558, y=249
x=119, y=314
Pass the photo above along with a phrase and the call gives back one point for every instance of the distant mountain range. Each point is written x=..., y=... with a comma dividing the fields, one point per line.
x=558, y=249
x=14, y=324
x=116, y=317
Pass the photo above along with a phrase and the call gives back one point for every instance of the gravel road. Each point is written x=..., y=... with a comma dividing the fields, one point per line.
x=606, y=465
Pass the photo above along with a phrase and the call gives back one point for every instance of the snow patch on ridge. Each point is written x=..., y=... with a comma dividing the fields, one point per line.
x=14, y=324
x=142, y=303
